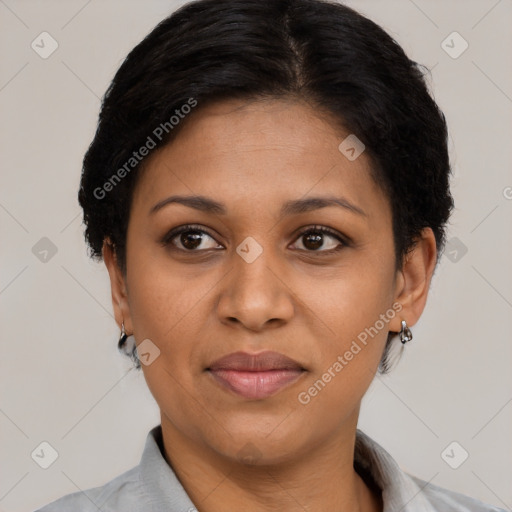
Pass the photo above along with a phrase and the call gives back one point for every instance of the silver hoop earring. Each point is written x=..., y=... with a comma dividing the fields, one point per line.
x=124, y=340
x=405, y=334
x=127, y=345
x=122, y=337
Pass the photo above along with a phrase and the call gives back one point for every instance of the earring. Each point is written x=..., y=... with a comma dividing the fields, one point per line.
x=126, y=342
x=127, y=345
x=405, y=334
x=122, y=337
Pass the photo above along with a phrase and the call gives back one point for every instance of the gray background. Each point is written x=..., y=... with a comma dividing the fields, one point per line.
x=62, y=378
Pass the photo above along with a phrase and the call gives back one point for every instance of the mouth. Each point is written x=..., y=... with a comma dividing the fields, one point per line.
x=255, y=376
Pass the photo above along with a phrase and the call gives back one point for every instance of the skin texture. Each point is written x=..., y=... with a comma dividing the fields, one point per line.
x=199, y=306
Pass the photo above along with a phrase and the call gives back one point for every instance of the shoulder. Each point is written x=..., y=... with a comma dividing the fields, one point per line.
x=122, y=493
x=404, y=491
x=151, y=485
x=450, y=501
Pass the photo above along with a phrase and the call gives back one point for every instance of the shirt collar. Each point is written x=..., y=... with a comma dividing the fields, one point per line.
x=163, y=489
x=399, y=491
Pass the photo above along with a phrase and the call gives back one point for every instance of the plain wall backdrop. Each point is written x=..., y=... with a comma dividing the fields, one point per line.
x=63, y=381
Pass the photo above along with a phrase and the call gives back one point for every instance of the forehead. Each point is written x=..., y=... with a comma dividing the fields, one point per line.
x=258, y=153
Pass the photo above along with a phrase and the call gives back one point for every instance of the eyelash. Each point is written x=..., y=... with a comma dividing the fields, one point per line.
x=167, y=240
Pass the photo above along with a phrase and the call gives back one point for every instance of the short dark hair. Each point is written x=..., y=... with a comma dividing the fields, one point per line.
x=316, y=50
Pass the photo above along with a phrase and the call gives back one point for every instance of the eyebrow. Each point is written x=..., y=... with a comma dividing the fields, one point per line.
x=293, y=207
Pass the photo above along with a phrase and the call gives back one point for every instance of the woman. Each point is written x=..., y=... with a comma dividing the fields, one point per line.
x=268, y=188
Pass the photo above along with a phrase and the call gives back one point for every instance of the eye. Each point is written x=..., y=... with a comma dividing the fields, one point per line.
x=194, y=238
x=190, y=238
x=313, y=239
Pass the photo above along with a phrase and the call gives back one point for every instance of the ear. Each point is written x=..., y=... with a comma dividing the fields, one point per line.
x=118, y=287
x=413, y=280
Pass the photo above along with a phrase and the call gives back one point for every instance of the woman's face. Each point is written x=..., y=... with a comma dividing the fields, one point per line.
x=247, y=279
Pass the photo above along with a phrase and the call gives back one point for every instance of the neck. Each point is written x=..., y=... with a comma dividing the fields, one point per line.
x=321, y=479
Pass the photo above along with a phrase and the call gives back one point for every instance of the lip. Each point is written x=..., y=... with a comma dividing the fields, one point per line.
x=255, y=376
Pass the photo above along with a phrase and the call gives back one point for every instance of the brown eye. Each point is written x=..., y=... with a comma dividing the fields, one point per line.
x=190, y=239
x=320, y=239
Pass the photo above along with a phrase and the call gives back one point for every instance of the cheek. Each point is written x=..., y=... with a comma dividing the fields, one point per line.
x=167, y=311
x=170, y=307
x=354, y=311
x=349, y=357
x=349, y=300
x=160, y=295
x=158, y=310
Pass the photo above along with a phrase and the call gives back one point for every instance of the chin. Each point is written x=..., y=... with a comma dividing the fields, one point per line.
x=254, y=445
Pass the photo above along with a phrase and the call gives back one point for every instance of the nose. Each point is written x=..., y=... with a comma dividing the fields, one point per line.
x=255, y=295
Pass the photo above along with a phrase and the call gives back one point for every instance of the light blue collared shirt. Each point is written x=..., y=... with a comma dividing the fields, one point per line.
x=152, y=486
